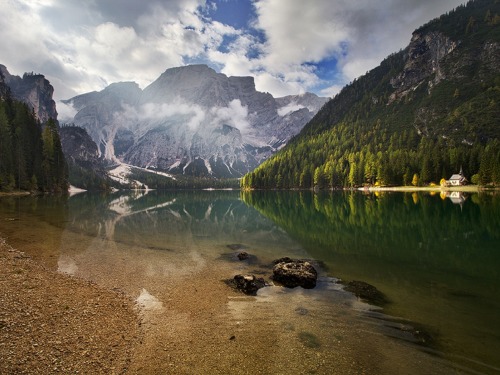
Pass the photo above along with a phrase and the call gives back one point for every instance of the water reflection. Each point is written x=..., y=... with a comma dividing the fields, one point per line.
x=438, y=263
x=437, y=260
x=164, y=220
x=457, y=198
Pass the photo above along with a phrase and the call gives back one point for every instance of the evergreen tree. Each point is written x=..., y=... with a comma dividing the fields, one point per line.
x=29, y=160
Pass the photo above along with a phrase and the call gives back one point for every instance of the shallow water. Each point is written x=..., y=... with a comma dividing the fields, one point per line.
x=436, y=261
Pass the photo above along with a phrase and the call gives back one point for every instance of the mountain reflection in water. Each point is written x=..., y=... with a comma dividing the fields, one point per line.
x=435, y=260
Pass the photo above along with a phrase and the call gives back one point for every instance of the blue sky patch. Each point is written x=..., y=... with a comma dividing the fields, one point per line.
x=235, y=13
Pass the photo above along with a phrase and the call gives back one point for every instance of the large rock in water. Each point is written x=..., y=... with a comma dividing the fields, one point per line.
x=295, y=272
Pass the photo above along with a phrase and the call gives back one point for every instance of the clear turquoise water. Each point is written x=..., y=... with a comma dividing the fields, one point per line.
x=437, y=261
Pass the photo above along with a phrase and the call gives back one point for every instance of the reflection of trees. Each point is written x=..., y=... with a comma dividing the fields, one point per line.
x=392, y=226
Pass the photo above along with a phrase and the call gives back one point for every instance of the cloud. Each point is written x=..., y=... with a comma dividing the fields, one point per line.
x=66, y=112
x=357, y=34
x=235, y=115
x=292, y=107
x=82, y=46
x=158, y=113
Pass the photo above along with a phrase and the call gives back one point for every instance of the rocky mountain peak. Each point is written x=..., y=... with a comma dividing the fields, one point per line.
x=192, y=120
x=198, y=84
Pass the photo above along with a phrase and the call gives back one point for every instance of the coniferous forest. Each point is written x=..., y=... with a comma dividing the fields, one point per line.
x=373, y=134
x=31, y=155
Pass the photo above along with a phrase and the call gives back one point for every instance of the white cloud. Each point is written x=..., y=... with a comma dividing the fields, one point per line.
x=359, y=34
x=331, y=91
x=299, y=31
x=292, y=107
x=66, y=112
x=160, y=113
x=84, y=46
x=235, y=115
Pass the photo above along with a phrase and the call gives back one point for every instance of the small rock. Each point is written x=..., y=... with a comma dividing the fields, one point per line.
x=249, y=284
x=301, y=310
x=295, y=272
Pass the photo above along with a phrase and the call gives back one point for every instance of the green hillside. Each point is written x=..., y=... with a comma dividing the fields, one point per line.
x=418, y=117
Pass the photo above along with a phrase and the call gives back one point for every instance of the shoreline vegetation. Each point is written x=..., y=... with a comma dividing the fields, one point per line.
x=405, y=189
x=411, y=189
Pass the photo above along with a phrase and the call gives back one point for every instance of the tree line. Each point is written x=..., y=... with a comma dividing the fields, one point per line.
x=31, y=156
x=350, y=157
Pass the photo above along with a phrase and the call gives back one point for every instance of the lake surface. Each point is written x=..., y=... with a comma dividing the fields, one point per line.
x=436, y=259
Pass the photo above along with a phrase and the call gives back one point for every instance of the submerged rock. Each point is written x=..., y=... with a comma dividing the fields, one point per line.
x=237, y=246
x=366, y=292
x=295, y=272
x=243, y=255
x=248, y=284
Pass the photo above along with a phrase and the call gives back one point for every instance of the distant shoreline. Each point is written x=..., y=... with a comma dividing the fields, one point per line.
x=13, y=193
x=405, y=189
x=410, y=189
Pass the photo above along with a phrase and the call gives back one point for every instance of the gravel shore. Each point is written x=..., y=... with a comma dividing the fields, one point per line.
x=54, y=323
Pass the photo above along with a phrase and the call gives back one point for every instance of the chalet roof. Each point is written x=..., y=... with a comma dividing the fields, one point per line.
x=456, y=177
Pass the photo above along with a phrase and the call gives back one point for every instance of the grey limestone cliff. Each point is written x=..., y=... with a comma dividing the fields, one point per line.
x=34, y=90
x=193, y=121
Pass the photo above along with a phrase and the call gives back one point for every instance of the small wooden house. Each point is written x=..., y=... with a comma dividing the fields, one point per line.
x=457, y=179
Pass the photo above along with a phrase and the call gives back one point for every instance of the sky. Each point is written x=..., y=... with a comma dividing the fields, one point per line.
x=289, y=46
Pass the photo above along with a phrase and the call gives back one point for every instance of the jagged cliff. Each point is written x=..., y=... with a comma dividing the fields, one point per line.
x=34, y=90
x=424, y=58
x=192, y=121
x=86, y=168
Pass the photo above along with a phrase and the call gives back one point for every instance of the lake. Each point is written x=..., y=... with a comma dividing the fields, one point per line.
x=436, y=258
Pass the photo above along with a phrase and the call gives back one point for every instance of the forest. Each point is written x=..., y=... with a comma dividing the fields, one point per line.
x=368, y=135
x=31, y=157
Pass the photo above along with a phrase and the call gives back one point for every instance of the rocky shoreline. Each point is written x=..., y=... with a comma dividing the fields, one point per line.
x=54, y=323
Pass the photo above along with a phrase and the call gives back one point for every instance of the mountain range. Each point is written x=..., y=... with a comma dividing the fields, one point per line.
x=424, y=113
x=192, y=121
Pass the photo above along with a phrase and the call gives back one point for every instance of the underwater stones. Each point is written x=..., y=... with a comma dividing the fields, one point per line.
x=236, y=246
x=243, y=255
x=366, y=292
x=249, y=284
x=309, y=340
x=294, y=272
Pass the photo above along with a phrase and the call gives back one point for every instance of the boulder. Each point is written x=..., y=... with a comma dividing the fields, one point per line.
x=295, y=272
x=249, y=284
